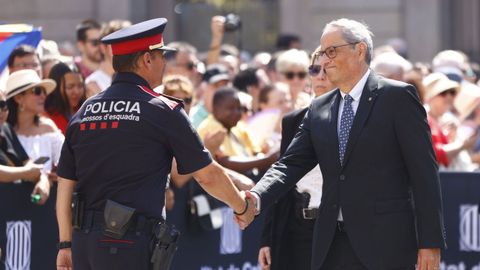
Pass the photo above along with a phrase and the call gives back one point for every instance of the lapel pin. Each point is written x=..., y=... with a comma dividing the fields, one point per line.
x=370, y=99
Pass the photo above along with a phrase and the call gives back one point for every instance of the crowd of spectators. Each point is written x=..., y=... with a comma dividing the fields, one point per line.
x=235, y=103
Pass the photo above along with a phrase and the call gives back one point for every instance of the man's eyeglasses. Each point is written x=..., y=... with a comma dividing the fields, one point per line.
x=3, y=106
x=94, y=42
x=331, y=52
x=290, y=75
x=314, y=70
x=37, y=91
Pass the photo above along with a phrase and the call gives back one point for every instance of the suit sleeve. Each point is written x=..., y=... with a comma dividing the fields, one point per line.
x=298, y=159
x=415, y=141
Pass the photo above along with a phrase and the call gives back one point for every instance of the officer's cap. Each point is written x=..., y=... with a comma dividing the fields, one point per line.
x=139, y=37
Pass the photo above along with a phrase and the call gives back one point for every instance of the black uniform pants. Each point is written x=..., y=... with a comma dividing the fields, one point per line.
x=94, y=251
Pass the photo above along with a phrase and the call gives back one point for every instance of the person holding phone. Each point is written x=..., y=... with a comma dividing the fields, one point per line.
x=14, y=164
x=38, y=135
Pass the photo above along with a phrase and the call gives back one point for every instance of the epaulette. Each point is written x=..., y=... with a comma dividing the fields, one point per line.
x=171, y=102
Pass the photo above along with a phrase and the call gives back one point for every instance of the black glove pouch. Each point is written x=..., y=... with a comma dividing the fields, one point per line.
x=117, y=219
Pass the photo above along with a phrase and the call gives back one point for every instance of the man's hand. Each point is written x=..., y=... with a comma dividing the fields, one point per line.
x=212, y=141
x=246, y=218
x=64, y=259
x=428, y=259
x=217, y=27
x=264, y=258
x=43, y=188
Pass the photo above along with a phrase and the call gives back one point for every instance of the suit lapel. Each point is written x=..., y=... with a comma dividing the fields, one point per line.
x=333, y=123
x=365, y=106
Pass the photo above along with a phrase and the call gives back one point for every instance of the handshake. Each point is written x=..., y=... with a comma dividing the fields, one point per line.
x=249, y=210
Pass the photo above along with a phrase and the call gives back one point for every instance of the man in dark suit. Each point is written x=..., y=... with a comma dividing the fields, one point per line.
x=381, y=204
x=286, y=241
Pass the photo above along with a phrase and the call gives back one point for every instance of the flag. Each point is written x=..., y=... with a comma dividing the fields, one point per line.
x=12, y=35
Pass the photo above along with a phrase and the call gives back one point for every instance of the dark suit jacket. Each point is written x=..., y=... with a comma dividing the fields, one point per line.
x=388, y=188
x=274, y=232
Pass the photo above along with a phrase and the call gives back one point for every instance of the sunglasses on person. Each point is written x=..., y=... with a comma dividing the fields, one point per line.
x=331, y=52
x=450, y=92
x=314, y=70
x=3, y=106
x=290, y=75
x=37, y=91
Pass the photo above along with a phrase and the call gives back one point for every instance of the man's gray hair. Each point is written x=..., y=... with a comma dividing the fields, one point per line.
x=354, y=31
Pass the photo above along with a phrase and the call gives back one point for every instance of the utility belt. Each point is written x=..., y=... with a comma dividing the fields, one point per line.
x=117, y=219
x=300, y=205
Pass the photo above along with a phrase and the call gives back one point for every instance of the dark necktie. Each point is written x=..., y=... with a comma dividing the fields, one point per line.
x=346, y=121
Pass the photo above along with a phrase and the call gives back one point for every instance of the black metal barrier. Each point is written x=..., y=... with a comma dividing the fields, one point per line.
x=28, y=232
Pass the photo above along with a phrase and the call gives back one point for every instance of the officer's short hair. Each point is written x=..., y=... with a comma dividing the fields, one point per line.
x=126, y=62
x=84, y=26
x=222, y=94
x=21, y=51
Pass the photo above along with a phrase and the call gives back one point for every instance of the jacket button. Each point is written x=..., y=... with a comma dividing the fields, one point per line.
x=342, y=177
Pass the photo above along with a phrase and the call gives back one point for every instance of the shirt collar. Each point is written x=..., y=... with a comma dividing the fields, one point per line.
x=129, y=77
x=357, y=90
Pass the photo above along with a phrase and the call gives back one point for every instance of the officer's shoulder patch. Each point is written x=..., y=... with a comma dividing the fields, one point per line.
x=171, y=102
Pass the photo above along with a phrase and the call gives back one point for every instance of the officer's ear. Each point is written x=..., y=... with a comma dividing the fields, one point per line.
x=146, y=59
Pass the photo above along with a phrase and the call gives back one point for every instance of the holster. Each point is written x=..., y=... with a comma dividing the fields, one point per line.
x=78, y=210
x=164, y=246
x=117, y=219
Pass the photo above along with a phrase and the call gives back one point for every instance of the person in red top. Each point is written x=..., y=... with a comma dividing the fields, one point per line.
x=68, y=96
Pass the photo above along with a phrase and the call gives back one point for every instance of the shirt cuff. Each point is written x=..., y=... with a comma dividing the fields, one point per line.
x=257, y=202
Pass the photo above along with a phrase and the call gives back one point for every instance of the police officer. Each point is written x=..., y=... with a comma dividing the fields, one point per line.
x=117, y=155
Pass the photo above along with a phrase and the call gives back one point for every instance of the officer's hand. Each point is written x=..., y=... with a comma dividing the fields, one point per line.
x=245, y=219
x=32, y=171
x=264, y=258
x=42, y=188
x=64, y=259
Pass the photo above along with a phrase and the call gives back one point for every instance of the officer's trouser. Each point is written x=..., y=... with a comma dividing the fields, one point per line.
x=94, y=251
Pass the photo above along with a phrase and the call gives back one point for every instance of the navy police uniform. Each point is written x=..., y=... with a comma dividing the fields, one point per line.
x=119, y=146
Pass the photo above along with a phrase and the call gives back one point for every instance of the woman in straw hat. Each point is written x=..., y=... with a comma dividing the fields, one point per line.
x=14, y=162
x=38, y=135
x=439, y=96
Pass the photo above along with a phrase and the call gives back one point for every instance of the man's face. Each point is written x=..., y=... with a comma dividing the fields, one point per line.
x=29, y=61
x=90, y=48
x=228, y=112
x=346, y=62
x=157, y=68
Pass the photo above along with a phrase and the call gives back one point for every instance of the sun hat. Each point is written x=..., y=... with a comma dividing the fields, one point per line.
x=22, y=80
x=467, y=100
x=436, y=83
